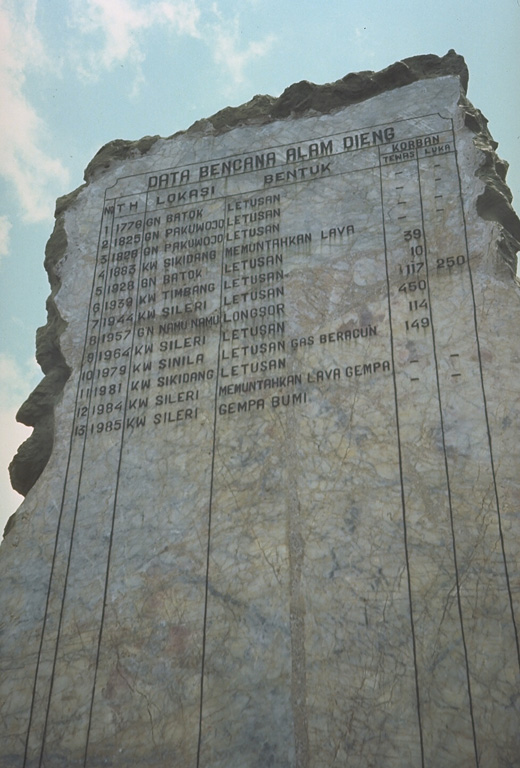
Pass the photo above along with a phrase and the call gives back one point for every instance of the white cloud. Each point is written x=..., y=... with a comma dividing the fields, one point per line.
x=16, y=381
x=111, y=33
x=120, y=23
x=225, y=37
x=183, y=15
x=5, y=227
x=34, y=174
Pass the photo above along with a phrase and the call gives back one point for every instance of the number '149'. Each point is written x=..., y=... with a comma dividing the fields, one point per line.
x=422, y=322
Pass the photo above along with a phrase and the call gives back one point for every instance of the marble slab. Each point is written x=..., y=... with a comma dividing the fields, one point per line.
x=279, y=522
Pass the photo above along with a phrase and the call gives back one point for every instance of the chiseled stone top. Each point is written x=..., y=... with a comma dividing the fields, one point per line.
x=272, y=513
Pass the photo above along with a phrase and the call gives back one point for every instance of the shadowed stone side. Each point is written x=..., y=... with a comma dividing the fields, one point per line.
x=493, y=204
x=38, y=409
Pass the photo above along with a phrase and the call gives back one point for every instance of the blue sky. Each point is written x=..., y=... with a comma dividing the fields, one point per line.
x=75, y=74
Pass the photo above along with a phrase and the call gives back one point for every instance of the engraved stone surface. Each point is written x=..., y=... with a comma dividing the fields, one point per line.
x=272, y=496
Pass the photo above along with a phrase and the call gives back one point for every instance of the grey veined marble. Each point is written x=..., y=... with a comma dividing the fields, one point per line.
x=272, y=511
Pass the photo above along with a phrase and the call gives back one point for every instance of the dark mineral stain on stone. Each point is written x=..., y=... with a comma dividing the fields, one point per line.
x=304, y=97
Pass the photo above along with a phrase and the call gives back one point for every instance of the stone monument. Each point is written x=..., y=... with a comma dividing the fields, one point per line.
x=272, y=490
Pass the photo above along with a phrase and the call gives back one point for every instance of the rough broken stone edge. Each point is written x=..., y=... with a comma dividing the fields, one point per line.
x=296, y=100
x=38, y=410
x=495, y=203
x=303, y=97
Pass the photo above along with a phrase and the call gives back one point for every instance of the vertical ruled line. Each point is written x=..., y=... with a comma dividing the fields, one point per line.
x=401, y=474
x=210, y=510
x=58, y=532
x=116, y=494
x=447, y=473
x=486, y=414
